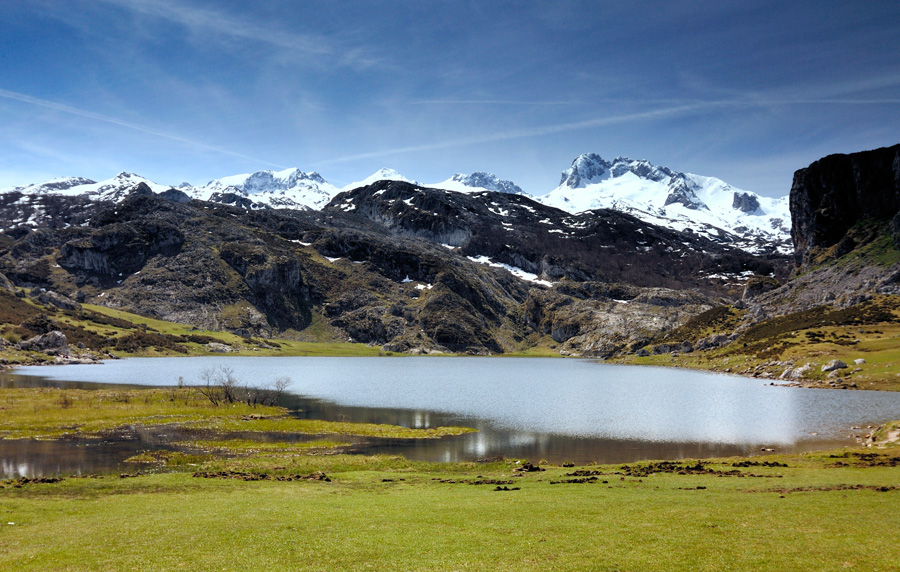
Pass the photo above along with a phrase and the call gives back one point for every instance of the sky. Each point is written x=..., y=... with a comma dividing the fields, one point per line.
x=190, y=91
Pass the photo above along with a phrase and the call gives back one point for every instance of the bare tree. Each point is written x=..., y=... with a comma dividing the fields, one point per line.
x=268, y=394
x=219, y=385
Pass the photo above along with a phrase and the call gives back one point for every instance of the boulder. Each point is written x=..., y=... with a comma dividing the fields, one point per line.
x=50, y=343
x=833, y=365
x=50, y=297
x=712, y=341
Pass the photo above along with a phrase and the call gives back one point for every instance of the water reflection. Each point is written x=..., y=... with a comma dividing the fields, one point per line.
x=558, y=410
x=31, y=458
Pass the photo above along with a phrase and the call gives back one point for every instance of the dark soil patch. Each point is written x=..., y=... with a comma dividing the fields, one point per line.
x=19, y=483
x=864, y=460
x=758, y=464
x=876, y=488
x=317, y=476
x=698, y=468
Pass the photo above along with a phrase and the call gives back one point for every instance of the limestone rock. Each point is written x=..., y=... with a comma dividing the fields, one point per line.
x=50, y=343
x=833, y=365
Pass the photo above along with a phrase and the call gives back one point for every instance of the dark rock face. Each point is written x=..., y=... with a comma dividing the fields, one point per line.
x=601, y=245
x=835, y=193
x=275, y=283
x=175, y=196
x=745, y=202
x=114, y=249
x=681, y=192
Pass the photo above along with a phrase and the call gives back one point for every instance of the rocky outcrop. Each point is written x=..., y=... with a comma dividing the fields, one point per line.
x=175, y=196
x=745, y=202
x=119, y=245
x=6, y=284
x=51, y=343
x=839, y=192
x=49, y=297
x=275, y=283
x=757, y=286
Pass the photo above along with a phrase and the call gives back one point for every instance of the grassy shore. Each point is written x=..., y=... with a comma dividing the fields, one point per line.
x=237, y=503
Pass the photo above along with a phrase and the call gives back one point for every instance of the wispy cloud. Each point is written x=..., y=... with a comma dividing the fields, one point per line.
x=523, y=133
x=210, y=23
x=676, y=107
x=490, y=102
x=24, y=98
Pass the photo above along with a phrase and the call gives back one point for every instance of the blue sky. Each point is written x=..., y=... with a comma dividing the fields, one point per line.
x=192, y=91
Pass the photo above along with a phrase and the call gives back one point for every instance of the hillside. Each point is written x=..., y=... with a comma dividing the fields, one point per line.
x=407, y=268
x=337, y=275
x=842, y=302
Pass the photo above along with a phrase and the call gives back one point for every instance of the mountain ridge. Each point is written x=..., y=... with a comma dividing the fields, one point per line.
x=659, y=195
x=631, y=186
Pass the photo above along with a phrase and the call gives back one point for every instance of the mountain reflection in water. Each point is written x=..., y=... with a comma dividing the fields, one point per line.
x=555, y=409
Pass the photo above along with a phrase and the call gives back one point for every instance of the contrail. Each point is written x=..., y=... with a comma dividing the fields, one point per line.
x=128, y=125
x=519, y=133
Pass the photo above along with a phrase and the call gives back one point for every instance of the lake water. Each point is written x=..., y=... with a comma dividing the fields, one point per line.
x=553, y=409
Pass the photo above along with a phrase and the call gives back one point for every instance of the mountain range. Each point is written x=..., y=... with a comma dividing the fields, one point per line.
x=420, y=268
x=705, y=205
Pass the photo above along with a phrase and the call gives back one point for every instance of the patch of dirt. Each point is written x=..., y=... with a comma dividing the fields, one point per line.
x=881, y=489
x=317, y=476
x=698, y=468
x=864, y=460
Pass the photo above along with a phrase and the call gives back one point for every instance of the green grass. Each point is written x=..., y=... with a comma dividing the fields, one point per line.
x=247, y=504
x=799, y=518
x=51, y=413
x=281, y=347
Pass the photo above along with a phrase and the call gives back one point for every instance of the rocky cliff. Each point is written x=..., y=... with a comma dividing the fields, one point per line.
x=840, y=201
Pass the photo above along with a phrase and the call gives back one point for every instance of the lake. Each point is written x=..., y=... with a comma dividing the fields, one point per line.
x=533, y=408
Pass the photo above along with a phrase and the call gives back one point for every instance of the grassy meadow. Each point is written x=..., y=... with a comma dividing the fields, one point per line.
x=229, y=501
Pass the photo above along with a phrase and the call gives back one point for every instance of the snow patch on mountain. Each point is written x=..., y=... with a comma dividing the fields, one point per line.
x=113, y=189
x=683, y=201
x=383, y=174
x=290, y=188
x=478, y=181
x=517, y=272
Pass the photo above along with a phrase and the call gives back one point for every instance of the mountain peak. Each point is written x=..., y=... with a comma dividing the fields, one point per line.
x=660, y=195
x=586, y=169
x=382, y=174
x=641, y=168
x=480, y=180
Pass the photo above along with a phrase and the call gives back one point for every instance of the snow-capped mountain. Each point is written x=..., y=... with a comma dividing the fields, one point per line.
x=478, y=181
x=661, y=196
x=113, y=189
x=383, y=174
x=291, y=188
x=655, y=194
